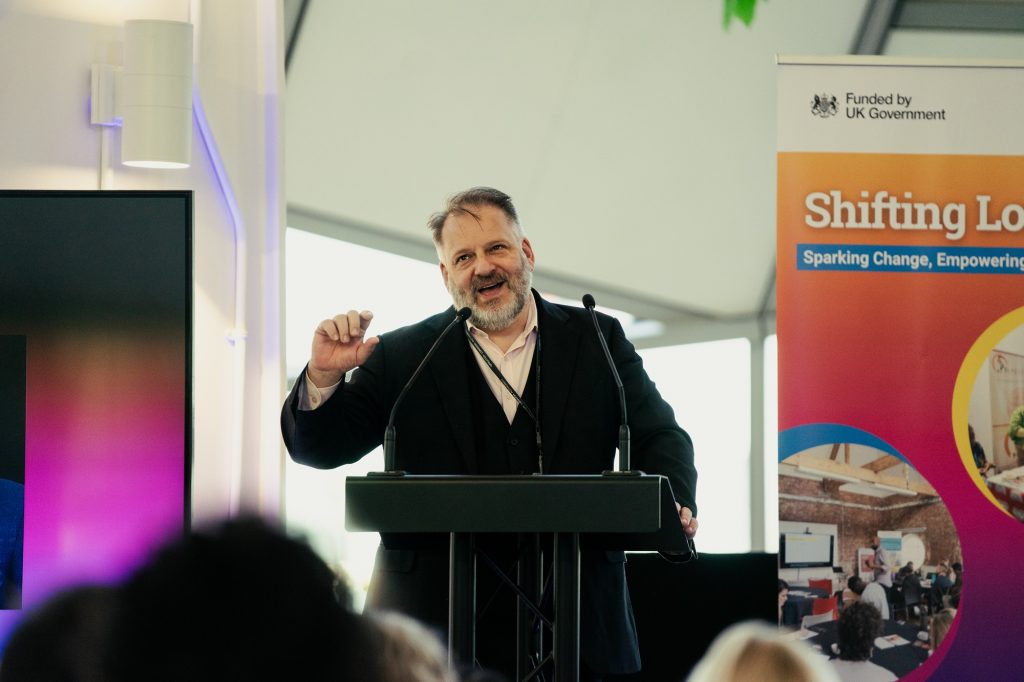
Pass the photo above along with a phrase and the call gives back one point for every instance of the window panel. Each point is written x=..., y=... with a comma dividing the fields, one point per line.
x=708, y=386
x=771, y=444
x=325, y=277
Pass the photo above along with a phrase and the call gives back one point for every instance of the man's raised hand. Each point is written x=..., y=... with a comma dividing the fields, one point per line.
x=340, y=344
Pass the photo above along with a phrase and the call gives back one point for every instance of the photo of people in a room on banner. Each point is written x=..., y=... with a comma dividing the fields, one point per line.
x=900, y=299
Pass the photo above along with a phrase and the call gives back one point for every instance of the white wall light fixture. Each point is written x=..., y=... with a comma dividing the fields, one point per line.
x=157, y=95
x=150, y=97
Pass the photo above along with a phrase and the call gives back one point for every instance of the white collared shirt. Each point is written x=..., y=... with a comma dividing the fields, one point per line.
x=514, y=364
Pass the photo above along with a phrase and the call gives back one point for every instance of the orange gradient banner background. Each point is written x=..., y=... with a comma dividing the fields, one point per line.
x=883, y=351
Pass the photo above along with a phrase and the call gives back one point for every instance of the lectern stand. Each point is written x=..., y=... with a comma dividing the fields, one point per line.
x=611, y=511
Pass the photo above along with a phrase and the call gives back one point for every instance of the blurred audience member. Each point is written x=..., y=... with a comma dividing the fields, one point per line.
x=958, y=584
x=859, y=625
x=905, y=570
x=911, y=596
x=849, y=595
x=409, y=652
x=239, y=601
x=783, y=596
x=1015, y=432
x=755, y=652
x=938, y=627
x=985, y=467
x=62, y=640
x=870, y=593
x=940, y=587
x=880, y=567
x=236, y=601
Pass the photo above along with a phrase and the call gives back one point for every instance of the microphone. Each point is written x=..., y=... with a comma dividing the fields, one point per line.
x=389, y=433
x=624, y=463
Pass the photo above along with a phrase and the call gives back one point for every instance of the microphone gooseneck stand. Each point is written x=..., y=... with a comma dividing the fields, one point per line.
x=389, y=432
x=624, y=454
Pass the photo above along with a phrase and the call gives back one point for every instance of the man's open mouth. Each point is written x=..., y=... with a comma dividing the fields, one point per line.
x=489, y=288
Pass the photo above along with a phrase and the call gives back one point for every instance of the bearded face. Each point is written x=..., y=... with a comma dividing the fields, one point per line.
x=492, y=312
x=487, y=266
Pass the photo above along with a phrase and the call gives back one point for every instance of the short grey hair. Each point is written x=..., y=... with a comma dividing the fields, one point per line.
x=475, y=196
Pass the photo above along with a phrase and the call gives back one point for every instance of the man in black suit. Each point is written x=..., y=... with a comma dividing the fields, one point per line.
x=460, y=418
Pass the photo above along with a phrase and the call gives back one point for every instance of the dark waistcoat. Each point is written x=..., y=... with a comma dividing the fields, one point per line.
x=502, y=448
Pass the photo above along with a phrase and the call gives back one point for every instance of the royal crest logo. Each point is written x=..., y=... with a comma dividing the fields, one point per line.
x=824, y=105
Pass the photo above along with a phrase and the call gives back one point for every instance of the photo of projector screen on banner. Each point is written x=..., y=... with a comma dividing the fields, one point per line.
x=900, y=275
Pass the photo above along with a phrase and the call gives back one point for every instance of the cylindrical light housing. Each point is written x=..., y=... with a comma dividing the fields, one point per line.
x=156, y=94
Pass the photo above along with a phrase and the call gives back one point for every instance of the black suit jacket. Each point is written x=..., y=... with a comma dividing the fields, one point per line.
x=579, y=425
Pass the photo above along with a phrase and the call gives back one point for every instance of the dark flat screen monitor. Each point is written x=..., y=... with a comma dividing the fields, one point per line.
x=95, y=344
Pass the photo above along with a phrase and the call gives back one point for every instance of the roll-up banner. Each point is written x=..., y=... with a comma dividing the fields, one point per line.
x=900, y=297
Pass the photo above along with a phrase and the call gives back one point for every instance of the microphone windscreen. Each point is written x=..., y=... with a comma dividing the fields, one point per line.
x=464, y=314
x=588, y=301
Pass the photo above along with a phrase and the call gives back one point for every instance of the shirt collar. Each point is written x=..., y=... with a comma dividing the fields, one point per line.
x=531, y=321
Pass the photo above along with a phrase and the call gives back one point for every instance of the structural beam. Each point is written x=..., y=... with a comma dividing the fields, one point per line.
x=682, y=324
x=882, y=463
x=826, y=467
x=962, y=15
x=874, y=26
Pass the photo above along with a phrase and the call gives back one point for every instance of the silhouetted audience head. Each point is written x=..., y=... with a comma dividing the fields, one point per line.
x=859, y=624
x=62, y=640
x=754, y=652
x=783, y=596
x=238, y=601
x=958, y=585
x=856, y=584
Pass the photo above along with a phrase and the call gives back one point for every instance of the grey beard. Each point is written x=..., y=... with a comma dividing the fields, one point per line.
x=495, y=319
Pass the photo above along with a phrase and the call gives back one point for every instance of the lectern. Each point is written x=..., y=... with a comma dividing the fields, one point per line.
x=611, y=511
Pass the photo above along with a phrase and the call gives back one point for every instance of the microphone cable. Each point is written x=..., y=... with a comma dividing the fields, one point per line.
x=533, y=414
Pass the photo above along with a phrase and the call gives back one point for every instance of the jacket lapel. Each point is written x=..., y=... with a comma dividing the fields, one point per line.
x=559, y=350
x=448, y=371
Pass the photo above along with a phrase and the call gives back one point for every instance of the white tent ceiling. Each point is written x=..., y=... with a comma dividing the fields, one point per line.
x=637, y=138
